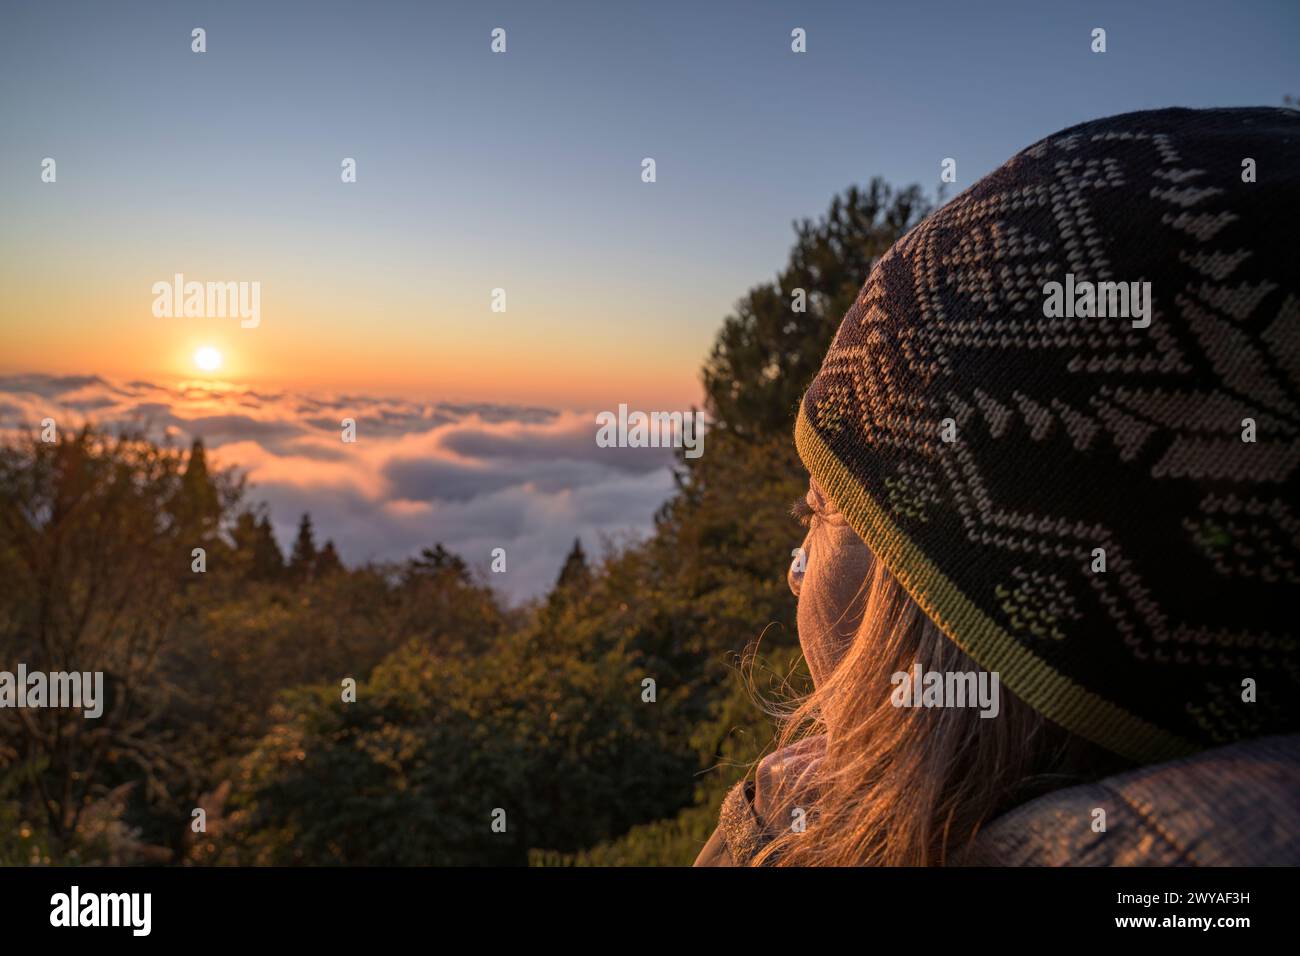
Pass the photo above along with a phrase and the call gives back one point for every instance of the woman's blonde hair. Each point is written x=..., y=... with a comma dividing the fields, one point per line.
x=908, y=786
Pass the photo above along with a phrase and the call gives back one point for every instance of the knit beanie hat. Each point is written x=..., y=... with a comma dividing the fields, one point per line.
x=1064, y=412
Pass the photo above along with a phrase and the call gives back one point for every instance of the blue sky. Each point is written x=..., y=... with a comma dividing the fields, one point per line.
x=478, y=170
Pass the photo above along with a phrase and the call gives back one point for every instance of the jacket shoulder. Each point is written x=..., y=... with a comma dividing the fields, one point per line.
x=740, y=835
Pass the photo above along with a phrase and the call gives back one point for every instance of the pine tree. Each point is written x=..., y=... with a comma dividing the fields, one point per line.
x=327, y=561
x=575, y=573
x=571, y=587
x=268, y=559
x=770, y=348
x=438, y=560
x=257, y=550
x=198, y=505
x=303, y=559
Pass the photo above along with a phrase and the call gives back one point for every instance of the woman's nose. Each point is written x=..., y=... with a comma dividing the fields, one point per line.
x=798, y=565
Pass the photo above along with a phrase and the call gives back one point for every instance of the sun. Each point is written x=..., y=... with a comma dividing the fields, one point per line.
x=208, y=359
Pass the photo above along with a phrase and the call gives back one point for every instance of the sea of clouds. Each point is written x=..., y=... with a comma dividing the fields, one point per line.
x=472, y=476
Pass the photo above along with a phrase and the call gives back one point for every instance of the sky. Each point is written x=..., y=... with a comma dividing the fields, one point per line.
x=519, y=171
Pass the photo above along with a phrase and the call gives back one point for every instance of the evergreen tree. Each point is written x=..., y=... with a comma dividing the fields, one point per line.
x=575, y=573
x=327, y=561
x=244, y=534
x=573, y=584
x=268, y=559
x=768, y=351
x=436, y=561
x=257, y=551
x=303, y=559
x=198, y=504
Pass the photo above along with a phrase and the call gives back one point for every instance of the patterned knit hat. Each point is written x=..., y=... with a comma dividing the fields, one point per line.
x=1097, y=502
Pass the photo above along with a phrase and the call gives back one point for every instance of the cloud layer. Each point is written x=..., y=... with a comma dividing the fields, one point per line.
x=473, y=476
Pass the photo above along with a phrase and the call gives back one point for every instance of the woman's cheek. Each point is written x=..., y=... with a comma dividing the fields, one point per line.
x=830, y=596
x=810, y=613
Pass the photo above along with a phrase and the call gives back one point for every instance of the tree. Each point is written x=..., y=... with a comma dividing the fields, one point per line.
x=410, y=772
x=256, y=550
x=302, y=561
x=268, y=559
x=94, y=553
x=438, y=561
x=575, y=572
x=767, y=352
x=327, y=561
x=198, y=504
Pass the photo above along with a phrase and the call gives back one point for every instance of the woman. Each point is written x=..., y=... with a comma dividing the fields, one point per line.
x=1048, y=589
